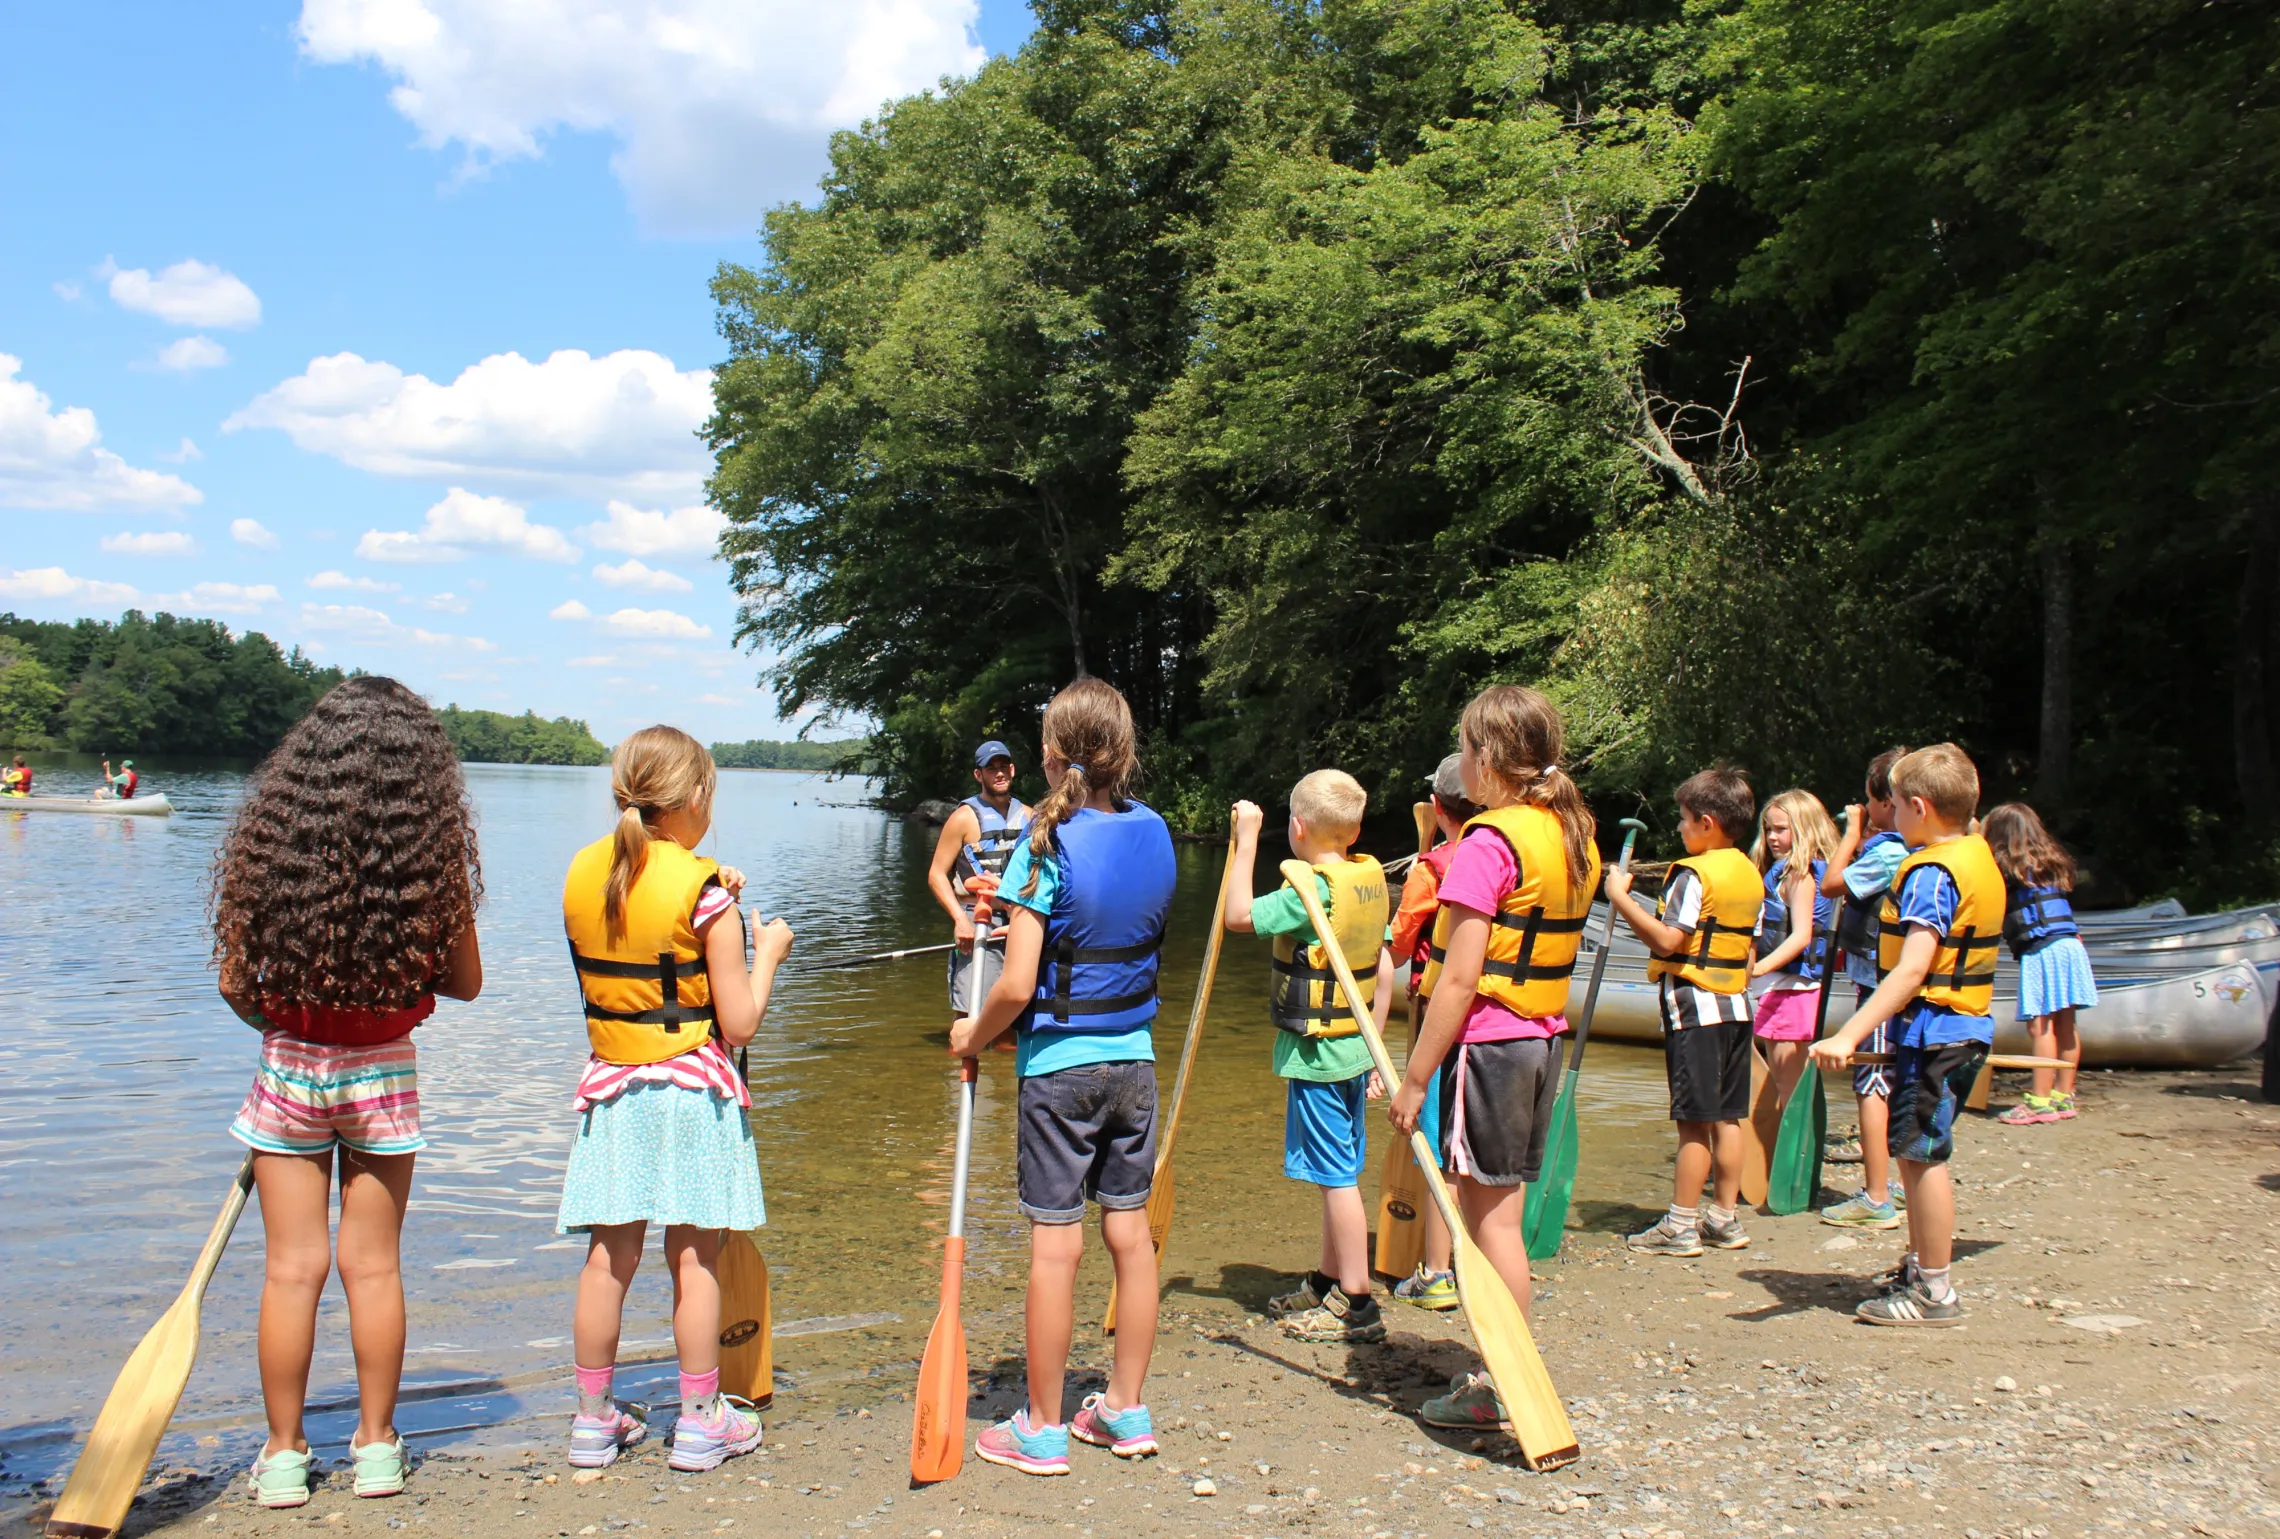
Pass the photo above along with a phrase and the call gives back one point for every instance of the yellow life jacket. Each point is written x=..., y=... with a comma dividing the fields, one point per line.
x=1306, y=998
x=1962, y=976
x=1538, y=926
x=1725, y=926
x=647, y=995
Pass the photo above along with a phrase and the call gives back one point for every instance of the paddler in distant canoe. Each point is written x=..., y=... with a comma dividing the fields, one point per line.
x=16, y=779
x=976, y=843
x=122, y=785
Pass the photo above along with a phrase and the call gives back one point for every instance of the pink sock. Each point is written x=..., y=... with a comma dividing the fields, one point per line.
x=594, y=1390
x=698, y=1391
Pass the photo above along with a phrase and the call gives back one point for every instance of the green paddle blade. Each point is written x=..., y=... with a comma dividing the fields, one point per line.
x=1544, y=1220
x=1793, y=1176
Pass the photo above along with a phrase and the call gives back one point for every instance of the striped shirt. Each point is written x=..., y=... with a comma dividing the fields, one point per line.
x=707, y=1067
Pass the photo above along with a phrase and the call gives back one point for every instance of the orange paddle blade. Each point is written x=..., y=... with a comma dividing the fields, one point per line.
x=938, y=1428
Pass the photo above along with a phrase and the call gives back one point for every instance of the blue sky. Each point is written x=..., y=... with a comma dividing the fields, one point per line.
x=381, y=325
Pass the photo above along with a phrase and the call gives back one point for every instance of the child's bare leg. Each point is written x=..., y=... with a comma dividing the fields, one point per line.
x=1785, y=1062
x=1049, y=1320
x=1346, y=1239
x=1875, y=1146
x=613, y=1255
x=374, y=1189
x=2042, y=1041
x=1125, y=1232
x=2069, y=1047
x=1493, y=1215
x=1726, y=1163
x=1694, y=1164
x=296, y=1224
x=690, y=1257
x=1438, y=1247
x=1931, y=1213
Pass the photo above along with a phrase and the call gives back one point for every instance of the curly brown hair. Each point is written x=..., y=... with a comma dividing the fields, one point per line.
x=351, y=867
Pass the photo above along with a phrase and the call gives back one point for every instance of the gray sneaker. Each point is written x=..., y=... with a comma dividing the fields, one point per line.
x=1910, y=1306
x=1307, y=1295
x=1662, y=1240
x=1726, y=1236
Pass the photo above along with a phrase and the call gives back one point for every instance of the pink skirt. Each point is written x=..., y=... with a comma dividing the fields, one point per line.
x=1787, y=1015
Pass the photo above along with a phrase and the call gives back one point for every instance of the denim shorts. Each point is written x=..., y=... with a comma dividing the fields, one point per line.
x=1928, y=1085
x=1324, y=1138
x=1086, y=1132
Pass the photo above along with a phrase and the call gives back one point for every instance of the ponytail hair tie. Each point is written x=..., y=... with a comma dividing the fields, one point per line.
x=1079, y=768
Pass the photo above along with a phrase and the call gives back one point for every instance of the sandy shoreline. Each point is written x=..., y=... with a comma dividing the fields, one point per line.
x=2118, y=1371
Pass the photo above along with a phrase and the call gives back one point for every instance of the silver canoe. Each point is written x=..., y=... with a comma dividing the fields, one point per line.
x=154, y=805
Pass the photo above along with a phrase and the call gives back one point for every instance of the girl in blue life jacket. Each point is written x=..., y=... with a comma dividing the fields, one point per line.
x=2054, y=967
x=1087, y=894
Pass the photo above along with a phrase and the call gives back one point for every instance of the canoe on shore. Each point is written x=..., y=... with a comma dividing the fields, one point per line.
x=154, y=805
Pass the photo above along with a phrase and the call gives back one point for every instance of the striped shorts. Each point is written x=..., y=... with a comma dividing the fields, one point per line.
x=306, y=1097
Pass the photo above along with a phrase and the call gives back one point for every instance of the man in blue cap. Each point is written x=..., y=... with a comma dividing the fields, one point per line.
x=977, y=841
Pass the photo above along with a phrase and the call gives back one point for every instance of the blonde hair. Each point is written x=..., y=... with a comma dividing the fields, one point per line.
x=1812, y=835
x=1089, y=727
x=1330, y=801
x=1520, y=738
x=658, y=769
x=1944, y=776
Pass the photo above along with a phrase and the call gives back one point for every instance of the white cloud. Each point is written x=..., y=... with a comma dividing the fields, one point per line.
x=189, y=454
x=721, y=108
x=462, y=523
x=655, y=624
x=67, y=292
x=172, y=542
x=444, y=603
x=217, y=598
x=358, y=623
x=341, y=582
x=249, y=531
x=55, y=584
x=621, y=424
x=55, y=459
x=632, y=574
x=187, y=294
x=690, y=531
x=187, y=353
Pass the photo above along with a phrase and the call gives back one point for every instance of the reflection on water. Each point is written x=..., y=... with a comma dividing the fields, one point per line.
x=119, y=1080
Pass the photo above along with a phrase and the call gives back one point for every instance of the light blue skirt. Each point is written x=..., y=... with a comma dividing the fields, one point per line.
x=665, y=1155
x=2056, y=978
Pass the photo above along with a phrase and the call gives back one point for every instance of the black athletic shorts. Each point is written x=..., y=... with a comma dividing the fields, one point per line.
x=1929, y=1085
x=1709, y=1071
x=1086, y=1132
x=1494, y=1131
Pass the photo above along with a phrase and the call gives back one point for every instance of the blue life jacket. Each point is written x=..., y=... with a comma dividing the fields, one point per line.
x=1856, y=919
x=1098, y=971
x=2033, y=917
x=1773, y=921
x=999, y=833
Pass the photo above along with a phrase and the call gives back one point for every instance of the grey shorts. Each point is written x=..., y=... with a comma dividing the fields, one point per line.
x=972, y=973
x=1087, y=1132
x=1496, y=1108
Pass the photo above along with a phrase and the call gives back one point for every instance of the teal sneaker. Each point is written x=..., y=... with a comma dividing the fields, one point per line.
x=281, y=1479
x=1128, y=1433
x=1858, y=1212
x=380, y=1467
x=1471, y=1402
x=1896, y=1194
x=1019, y=1446
x=1428, y=1289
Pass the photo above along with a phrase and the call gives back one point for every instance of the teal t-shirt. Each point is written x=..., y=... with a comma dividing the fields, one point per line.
x=1049, y=1052
x=1325, y=1060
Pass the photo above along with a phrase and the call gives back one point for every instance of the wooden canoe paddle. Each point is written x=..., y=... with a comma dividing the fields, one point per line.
x=1401, y=1190
x=938, y=1419
x=1793, y=1176
x=747, y=1326
x=143, y=1397
x=1160, y=1197
x=1500, y=1330
x=1544, y=1220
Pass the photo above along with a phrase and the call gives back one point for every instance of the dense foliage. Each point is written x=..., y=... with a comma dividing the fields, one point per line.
x=494, y=737
x=150, y=684
x=1769, y=379
x=764, y=754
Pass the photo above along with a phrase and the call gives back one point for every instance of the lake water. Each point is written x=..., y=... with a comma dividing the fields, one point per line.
x=123, y=1069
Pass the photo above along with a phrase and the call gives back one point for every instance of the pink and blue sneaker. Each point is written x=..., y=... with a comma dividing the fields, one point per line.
x=1031, y=1450
x=1127, y=1433
x=596, y=1441
x=707, y=1444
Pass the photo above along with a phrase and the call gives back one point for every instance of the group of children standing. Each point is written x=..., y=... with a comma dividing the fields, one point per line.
x=344, y=905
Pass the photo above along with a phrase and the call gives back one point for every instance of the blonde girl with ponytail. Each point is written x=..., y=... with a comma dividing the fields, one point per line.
x=1525, y=866
x=1796, y=841
x=664, y=1134
x=1087, y=895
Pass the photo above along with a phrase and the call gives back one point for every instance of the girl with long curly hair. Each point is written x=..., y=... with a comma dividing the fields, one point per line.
x=343, y=903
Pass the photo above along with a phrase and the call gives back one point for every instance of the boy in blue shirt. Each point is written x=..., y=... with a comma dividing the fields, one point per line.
x=1940, y=927
x=1318, y=1046
x=1860, y=875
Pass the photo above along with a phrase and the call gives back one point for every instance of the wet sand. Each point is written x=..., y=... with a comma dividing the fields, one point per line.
x=2117, y=1373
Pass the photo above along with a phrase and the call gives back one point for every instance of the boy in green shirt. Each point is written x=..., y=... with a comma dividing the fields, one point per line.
x=1318, y=1046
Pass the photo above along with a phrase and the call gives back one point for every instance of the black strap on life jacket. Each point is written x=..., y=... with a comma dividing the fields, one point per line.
x=1524, y=968
x=1964, y=942
x=1067, y=955
x=666, y=972
x=1333, y=1006
x=1706, y=932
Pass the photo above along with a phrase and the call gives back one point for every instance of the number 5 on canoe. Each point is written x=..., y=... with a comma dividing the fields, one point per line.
x=1539, y=1420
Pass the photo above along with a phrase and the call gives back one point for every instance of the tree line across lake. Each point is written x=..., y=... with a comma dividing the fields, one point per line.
x=1770, y=380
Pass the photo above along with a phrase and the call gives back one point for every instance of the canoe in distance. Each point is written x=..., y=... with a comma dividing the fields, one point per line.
x=154, y=805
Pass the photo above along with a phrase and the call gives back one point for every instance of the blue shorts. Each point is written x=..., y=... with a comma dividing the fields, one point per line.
x=1323, y=1135
x=1928, y=1085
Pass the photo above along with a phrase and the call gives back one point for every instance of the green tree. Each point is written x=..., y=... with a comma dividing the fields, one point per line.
x=493, y=737
x=30, y=698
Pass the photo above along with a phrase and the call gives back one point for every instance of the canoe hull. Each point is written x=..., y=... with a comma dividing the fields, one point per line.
x=153, y=806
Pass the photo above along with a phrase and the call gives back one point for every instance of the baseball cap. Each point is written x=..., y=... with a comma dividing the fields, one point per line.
x=993, y=749
x=1448, y=782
